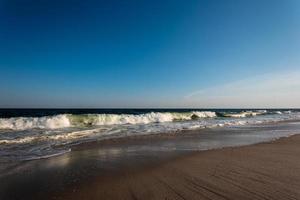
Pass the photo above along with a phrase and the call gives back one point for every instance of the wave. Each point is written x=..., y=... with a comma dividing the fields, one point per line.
x=23, y=123
x=42, y=137
x=244, y=114
x=85, y=120
x=70, y=120
x=99, y=132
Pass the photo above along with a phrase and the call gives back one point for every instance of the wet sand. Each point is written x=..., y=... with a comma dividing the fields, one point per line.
x=262, y=171
x=268, y=170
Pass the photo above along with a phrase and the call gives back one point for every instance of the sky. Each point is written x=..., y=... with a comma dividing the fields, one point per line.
x=149, y=54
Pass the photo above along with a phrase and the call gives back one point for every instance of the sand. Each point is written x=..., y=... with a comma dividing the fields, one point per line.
x=262, y=171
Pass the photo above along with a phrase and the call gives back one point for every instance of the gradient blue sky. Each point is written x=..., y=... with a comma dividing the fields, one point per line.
x=172, y=53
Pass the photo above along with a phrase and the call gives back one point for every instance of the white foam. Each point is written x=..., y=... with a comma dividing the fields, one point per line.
x=246, y=114
x=23, y=123
x=67, y=120
x=85, y=120
x=153, y=117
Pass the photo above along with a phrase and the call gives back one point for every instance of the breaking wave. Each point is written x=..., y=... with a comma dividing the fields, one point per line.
x=23, y=123
x=245, y=113
x=27, y=138
x=70, y=120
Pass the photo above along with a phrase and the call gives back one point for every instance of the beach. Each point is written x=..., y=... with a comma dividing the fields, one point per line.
x=263, y=171
x=269, y=170
x=149, y=100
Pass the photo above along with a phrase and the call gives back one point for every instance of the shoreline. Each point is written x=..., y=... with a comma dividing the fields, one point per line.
x=268, y=170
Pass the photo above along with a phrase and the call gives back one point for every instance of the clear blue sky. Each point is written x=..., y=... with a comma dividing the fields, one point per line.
x=155, y=53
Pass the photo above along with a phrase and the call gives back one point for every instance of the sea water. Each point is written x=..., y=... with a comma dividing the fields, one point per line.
x=27, y=134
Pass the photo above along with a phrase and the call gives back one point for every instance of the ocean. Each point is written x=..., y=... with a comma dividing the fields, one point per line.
x=28, y=134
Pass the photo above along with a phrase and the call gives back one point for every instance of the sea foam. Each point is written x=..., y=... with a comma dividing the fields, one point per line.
x=70, y=120
x=23, y=123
